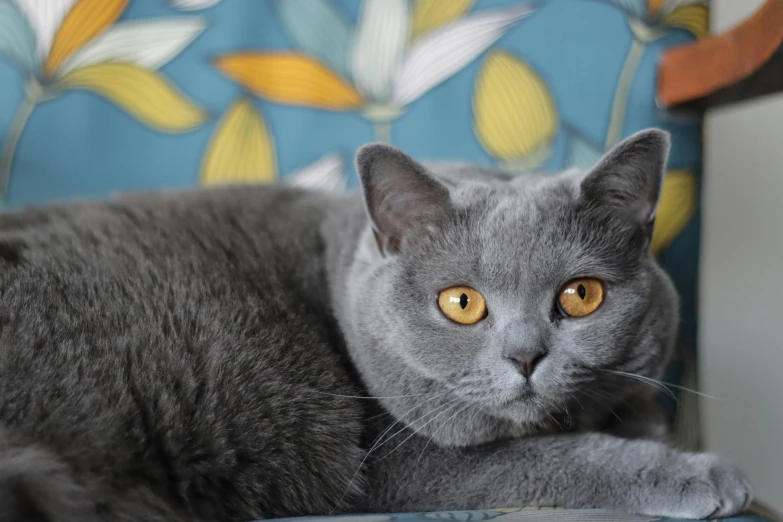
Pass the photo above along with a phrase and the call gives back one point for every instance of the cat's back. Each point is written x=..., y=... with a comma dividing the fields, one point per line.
x=184, y=336
x=239, y=252
x=162, y=226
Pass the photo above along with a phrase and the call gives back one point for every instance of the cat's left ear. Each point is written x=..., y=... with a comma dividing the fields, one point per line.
x=401, y=196
x=628, y=179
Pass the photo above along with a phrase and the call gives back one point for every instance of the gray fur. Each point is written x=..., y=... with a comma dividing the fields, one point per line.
x=241, y=353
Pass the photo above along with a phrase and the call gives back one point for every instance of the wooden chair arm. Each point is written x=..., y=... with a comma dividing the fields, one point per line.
x=744, y=62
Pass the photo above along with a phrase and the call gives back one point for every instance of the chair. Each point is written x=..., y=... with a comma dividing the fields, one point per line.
x=116, y=95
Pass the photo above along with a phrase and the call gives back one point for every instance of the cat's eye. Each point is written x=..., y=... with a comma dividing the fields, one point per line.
x=462, y=305
x=580, y=297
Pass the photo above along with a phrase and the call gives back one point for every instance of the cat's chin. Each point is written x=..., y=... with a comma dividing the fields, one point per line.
x=489, y=425
x=528, y=411
x=519, y=397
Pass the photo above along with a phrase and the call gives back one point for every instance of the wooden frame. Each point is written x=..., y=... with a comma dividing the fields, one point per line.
x=744, y=62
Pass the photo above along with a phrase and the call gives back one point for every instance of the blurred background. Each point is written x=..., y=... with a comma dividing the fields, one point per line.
x=99, y=97
x=740, y=344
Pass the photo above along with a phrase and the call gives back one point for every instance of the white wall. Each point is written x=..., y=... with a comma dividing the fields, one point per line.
x=741, y=341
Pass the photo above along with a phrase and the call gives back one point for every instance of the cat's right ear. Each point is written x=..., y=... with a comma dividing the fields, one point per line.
x=401, y=196
x=629, y=178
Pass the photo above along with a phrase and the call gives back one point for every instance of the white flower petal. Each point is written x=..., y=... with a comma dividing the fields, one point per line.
x=17, y=39
x=149, y=44
x=45, y=17
x=636, y=8
x=382, y=34
x=193, y=5
x=437, y=56
x=325, y=174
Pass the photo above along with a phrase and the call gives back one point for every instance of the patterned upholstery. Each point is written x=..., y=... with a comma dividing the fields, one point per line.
x=104, y=96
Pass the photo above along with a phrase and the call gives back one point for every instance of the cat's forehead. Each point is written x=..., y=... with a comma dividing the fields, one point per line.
x=526, y=198
x=536, y=221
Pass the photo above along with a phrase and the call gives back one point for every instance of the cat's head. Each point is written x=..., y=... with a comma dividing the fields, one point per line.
x=516, y=297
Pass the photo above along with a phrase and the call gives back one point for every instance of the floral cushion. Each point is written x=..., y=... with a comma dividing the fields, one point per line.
x=105, y=96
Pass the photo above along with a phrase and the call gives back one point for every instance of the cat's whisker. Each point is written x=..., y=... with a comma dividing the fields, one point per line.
x=576, y=399
x=613, y=399
x=544, y=408
x=377, y=416
x=441, y=427
x=559, y=426
x=650, y=382
x=413, y=422
x=377, y=443
x=663, y=386
x=590, y=394
x=568, y=414
x=633, y=409
x=452, y=406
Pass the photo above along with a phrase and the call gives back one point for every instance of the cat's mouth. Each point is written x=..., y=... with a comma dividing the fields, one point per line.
x=498, y=398
x=524, y=394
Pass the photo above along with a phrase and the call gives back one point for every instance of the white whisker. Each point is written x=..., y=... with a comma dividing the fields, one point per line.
x=577, y=400
x=662, y=385
x=377, y=416
x=441, y=427
x=590, y=395
x=422, y=426
x=555, y=421
x=568, y=415
x=437, y=408
x=377, y=443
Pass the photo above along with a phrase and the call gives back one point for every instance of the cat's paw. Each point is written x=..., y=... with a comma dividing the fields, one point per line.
x=700, y=486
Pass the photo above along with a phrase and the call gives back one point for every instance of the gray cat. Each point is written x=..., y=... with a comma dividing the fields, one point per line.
x=455, y=339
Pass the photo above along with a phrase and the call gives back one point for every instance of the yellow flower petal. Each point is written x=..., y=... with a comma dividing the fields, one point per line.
x=678, y=203
x=144, y=94
x=693, y=18
x=86, y=20
x=514, y=114
x=431, y=14
x=240, y=149
x=290, y=78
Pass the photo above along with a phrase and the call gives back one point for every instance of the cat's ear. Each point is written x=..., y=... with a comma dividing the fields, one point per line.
x=401, y=196
x=628, y=179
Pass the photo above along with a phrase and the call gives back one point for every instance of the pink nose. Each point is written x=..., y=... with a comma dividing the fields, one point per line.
x=526, y=360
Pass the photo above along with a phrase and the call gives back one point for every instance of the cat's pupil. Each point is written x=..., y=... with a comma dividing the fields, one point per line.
x=581, y=290
x=463, y=301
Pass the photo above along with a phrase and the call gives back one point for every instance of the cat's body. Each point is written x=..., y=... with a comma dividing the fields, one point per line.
x=208, y=355
x=172, y=337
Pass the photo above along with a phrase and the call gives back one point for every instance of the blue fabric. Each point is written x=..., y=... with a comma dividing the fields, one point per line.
x=149, y=94
x=210, y=91
x=82, y=143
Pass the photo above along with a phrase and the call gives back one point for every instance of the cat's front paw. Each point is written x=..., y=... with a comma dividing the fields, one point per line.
x=699, y=486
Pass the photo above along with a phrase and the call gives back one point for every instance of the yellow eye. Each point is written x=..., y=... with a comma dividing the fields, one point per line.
x=462, y=305
x=581, y=297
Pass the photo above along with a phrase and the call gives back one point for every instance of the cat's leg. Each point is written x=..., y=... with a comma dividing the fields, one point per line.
x=586, y=470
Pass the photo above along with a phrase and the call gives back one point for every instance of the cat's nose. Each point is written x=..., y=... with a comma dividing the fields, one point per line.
x=526, y=360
